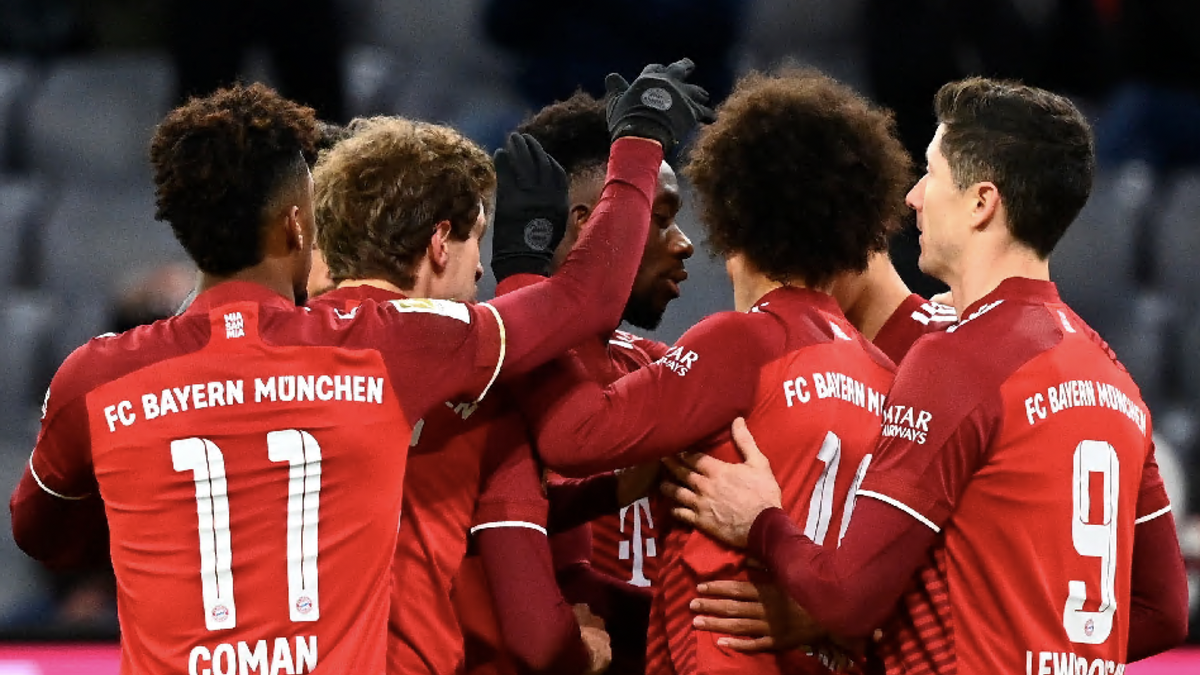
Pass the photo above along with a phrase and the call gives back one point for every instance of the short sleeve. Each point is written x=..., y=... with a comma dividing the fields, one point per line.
x=511, y=495
x=936, y=429
x=1152, y=495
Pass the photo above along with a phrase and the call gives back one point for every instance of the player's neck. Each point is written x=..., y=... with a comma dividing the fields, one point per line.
x=882, y=292
x=750, y=287
x=263, y=274
x=983, y=274
x=376, y=283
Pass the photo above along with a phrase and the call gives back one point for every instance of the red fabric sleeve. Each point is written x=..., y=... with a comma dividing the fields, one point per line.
x=850, y=589
x=1158, y=610
x=937, y=424
x=57, y=515
x=706, y=380
x=1152, y=495
x=913, y=319
x=575, y=501
x=512, y=486
x=587, y=295
x=539, y=627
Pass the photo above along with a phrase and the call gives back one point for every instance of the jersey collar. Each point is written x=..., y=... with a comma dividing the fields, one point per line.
x=237, y=291
x=1019, y=289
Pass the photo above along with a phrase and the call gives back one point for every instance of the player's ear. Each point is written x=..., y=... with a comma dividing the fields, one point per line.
x=293, y=230
x=985, y=198
x=578, y=214
x=439, y=249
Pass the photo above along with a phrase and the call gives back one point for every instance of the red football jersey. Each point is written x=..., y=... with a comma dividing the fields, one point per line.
x=912, y=320
x=812, y=389
x=470, y=466
x=625, y=544
x=1018, y=437
x=245, y=453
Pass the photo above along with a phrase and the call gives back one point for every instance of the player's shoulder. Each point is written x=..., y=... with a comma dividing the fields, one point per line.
x=991, y=341
x=754, y=327
x=642, y=351
x=110, y=356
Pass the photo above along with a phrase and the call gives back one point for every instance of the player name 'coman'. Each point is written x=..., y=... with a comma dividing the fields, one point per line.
x=245, y=658
x=833, y=385
x=1077, y=393
x=285, y=388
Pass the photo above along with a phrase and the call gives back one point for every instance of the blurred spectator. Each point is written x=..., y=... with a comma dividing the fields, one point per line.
x=1154, y=116
x=563, y=45
x=209, y=40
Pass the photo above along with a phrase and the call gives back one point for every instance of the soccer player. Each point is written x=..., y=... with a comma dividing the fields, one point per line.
x=759, y=616
x=1013, y=519
x=243, y=451
x=575, y=132
x=797, y=180
x=396, y=211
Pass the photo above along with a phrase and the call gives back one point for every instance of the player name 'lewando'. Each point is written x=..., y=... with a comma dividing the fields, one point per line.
x=284, y=388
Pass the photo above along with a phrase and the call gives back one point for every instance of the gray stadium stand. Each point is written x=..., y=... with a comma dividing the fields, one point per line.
x=22, y=202
x=93, y=118
x=819, y=33
x=1094, y=267
x=94, y=237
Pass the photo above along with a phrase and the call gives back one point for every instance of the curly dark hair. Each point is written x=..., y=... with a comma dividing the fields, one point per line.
x=1033, y=144
x=220, y=161
x=381, y=192
x=574, y=132
x=800, y=175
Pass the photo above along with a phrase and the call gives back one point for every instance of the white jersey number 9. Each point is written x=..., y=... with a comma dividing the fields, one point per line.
x=1094, y=540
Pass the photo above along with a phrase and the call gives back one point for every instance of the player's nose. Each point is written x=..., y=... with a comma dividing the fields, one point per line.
x=916, y=196
x=478, y=271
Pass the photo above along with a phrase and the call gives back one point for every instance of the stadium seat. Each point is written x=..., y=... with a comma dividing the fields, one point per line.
x=94, y=237
x=93, y=118
x=14, y=76
x=21, y=204
x=1177, y=241
x=22, y=590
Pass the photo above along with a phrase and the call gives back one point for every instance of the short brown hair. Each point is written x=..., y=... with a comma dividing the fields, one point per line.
x=801, y=175
x=1033, y=144
x=381, y=192
x=219, y=161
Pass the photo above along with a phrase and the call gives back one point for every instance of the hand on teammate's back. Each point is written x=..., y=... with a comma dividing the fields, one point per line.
x=599, y=646
x=531, y=208
x=659, y=105
x=721, y=499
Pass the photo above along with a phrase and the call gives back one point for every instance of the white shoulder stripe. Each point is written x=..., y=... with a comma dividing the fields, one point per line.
x=47, y=490
x=503, y=348
x=902, y=506
x=508, y=523
x=1161, y=512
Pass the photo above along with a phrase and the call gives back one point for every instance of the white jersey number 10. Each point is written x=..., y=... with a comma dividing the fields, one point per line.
x=1094, y=540
x=203, y=458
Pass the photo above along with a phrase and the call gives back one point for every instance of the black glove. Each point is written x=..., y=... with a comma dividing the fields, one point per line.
x=531, y=208
x=659, y=104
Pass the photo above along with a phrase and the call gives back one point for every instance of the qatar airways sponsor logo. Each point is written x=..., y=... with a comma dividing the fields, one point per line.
x=217, y=394
x=679, y=360
x=265, y=657
x=907, y=423
x=1067, y=663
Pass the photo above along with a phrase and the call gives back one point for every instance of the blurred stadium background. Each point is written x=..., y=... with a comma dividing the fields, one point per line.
x=82, y=84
